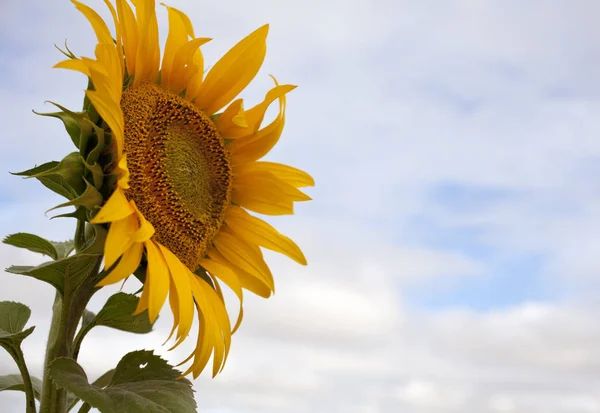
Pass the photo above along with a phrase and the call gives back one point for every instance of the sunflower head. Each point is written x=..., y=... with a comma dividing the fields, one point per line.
x=180, y=177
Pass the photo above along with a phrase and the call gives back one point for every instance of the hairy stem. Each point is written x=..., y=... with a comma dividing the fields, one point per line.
x=55, y=348
x=17, y=355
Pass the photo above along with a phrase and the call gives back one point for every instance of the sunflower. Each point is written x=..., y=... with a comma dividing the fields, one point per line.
x=187, y=175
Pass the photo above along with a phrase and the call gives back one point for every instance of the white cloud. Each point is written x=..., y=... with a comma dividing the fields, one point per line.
x=395, y=99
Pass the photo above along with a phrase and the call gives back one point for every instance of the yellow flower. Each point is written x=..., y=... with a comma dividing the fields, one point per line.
x=187, y=175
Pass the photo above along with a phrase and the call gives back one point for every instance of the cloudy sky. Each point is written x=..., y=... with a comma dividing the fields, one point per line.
x=455, y=227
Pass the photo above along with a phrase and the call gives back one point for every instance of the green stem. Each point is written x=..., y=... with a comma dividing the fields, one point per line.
x=17, y=355
x=79, y=239
x=85, y=408
x=49, y=401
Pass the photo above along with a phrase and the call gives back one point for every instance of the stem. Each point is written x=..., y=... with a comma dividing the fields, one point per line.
x=49, y=402
x=79, y=339
x=17, y=355
x=79, y=239
x=85, y=408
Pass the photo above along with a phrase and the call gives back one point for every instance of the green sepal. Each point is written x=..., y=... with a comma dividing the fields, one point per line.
x=75, y=122
x=55, y=183
x=142, y=383
x=90, y=199
x=77, y=267
x=94, y=144
x=97, y=174
x=15, y=382
x=66, y=174
x=95, y=237
x=80, y=213
x=68, y=53
x=13, y=318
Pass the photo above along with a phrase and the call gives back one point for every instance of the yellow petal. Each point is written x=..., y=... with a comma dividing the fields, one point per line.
x=123, y=172
x=116, y=207
x=262, y=192
x=119, y=41
x=183, y=64
x=195, y=81
x=217, y=334
x=107, y=76
x=145, y=230
x=157, y=278
x=148, y=53
x=228, y=276
x=118, y=239
x=256, y=231
x=255, y=115
x=181, y=281
x=74, y=64
x=247, y=280
x=243, y=256
x=130, y=261
x=129, y=33
x=111, y=113
x=99, y=26
x=233, y=72
x=286, y=173
x=233, y=116
x=179, y=32
x=253, y=147
x=264, y=183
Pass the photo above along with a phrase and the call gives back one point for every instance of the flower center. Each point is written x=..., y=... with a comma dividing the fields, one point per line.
x=180, y=177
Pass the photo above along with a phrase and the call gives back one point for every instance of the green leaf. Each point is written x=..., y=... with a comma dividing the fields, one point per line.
x=63, y=248
x=142, y=383
x=33, y=243
x=104, y=380
x=100, y=382
x=87, y=318
x=76, y=267
x=118, y=313
x=13, y=317
x=15, y=382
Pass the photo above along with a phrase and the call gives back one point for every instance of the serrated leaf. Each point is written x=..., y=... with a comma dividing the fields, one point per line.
x=15, y=382
x=32, y=243
x=100, y=382
x=63, y=248
x=105, y=379
x=77, y=267
x=118, y=313
x=13, y=318
x=142, y=383
x=87, y=318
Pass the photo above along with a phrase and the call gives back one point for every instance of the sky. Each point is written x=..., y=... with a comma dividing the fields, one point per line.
x=454, y=230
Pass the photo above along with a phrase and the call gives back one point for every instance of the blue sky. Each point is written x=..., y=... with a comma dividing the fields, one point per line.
x=454, y=229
